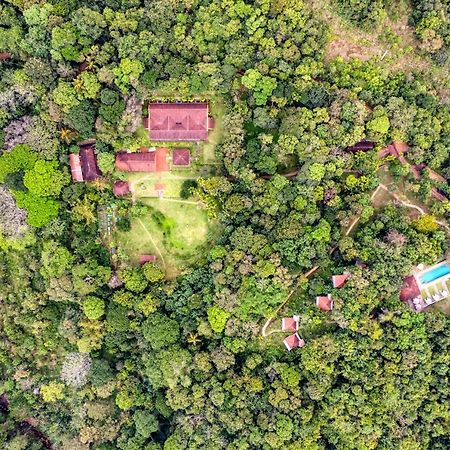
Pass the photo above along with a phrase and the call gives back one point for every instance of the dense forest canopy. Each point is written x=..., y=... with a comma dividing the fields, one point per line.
x=98, y=352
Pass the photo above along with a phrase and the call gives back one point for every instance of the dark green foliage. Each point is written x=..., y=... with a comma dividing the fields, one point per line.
x=179, y=362
x=187, y=187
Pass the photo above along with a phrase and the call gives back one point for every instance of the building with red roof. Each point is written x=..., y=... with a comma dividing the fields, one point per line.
x=339, y=280
x=324, y=302
x=143, y=161
x=181, y=157
x=143, y=259
x=121, y=188
x=289, y=323
x=75, y=167
x=361, y=146
x=84, y=165
x=178, y=121
x=293, y=341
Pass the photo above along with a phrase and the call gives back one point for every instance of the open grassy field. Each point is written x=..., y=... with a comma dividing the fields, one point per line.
x=217, y=110
x=176, y=231
x=146, y=184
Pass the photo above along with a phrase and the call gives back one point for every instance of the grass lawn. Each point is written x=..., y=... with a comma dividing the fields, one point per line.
x=177, y=232
x=143, y=184
x=217, y=111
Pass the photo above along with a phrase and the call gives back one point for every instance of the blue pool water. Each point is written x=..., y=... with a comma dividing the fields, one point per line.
x=435, y=273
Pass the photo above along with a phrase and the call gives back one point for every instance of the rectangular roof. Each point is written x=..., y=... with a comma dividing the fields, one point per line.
x=75, y=167
x=88, y=162
x=144, y=161
x=136, y=162
x=178, y=121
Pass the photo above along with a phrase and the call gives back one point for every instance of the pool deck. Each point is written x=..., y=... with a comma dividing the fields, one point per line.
x=420, y=295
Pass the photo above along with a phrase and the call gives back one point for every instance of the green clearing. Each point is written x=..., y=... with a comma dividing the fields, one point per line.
x=143, y=184
x=215, y=135
x=177, y=232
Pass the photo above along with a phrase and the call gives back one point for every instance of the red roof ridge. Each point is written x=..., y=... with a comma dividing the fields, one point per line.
x=293, y=341
x=340, y=280
x=324, y=302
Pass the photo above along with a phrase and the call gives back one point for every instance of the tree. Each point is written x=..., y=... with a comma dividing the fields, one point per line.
x=44, y=179
x=93, y=307
x=146, y=423
x=127, y=73
x=52, y=392
x=152, y=272
x=217, y=318
x=260, y=85
x=134, y=279
x=75, y=369
x=160, y=331
x=425, y=224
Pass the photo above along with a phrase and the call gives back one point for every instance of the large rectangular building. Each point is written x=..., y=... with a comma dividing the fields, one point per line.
x=143, y=161
x=178, y=121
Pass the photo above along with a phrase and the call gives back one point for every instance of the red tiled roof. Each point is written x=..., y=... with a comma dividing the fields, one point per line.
x=324, y=302
x=121, y=188
x=88, y=162
x=143, y=161
x=181, y=157
x=289, y=324
x=410, y=289
x=4, y=56
x=293, y=341
x=339, y=280
x=178, y=121
x=75, y=167
x=146, y=258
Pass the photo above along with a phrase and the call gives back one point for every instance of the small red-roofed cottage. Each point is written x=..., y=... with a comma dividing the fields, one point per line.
x=143, y=259
x=181, y=157
x=289, y=323
x=294, y=341
x=121, y=188
x=339, y=280
x=211, y=123
x=324, y=302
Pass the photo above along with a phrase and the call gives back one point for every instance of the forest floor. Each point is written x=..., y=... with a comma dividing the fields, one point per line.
x=177, y=237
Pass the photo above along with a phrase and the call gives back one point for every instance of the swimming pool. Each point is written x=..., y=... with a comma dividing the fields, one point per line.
x=435, y=273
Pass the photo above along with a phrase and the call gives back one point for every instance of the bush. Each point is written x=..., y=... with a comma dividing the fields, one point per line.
x=153, y=273
x=123, y=224
x=187, y=187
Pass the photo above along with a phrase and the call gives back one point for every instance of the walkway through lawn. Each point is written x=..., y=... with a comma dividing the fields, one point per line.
x=153, y=242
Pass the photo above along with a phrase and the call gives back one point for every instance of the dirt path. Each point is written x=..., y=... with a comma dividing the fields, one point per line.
x=153, y=242
x=412, y=206
x=174, y=200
